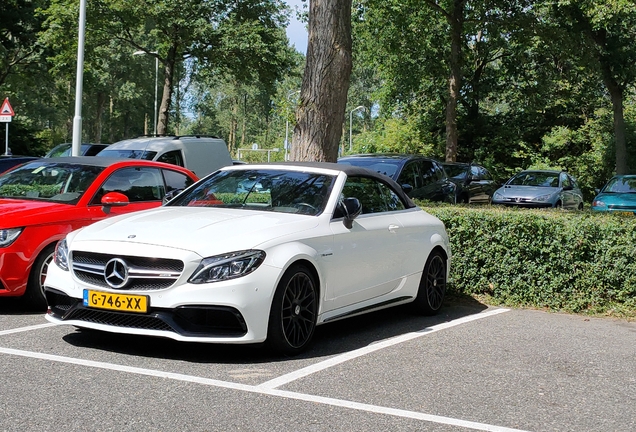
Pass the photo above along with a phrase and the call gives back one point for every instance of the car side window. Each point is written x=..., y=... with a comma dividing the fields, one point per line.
x=410, y=175
x=428, y=172
x=565, y=180
x=375, y=196
x=475, y=173
x=175, y=180
x=439, y=171
x=138, y=184
x=172, y=157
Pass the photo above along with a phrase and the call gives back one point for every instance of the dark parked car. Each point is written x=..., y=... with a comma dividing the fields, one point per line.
x=9, y=161
x=474, y=182
x=87, y=149
x=420, y=177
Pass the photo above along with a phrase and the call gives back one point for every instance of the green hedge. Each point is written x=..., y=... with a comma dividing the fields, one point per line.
x=560, y=260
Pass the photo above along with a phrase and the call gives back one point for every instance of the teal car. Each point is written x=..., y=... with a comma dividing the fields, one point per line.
x=618, y=195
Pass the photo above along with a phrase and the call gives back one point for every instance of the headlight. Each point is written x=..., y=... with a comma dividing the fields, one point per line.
x=8, y=236
x=227, y=266
x=497, y=196
x=61, y=255
x=597, y=203
x=542, y=198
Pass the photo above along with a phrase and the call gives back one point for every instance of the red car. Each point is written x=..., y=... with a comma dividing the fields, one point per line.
x=43, y=200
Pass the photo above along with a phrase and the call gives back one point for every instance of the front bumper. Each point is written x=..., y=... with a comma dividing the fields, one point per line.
x=523, y=203
x=233, y=311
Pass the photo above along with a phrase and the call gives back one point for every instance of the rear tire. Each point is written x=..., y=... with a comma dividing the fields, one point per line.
x=292, y=318
x=430, y=295
x=34, y=295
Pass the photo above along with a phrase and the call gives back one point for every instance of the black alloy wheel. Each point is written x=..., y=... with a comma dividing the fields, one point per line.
x=293, y=315
x=430, y=295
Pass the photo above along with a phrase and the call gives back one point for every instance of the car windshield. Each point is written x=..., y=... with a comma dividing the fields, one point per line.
x=261, y=189
x=388, y=167
x=128, y=154
x=535, y=178
x=621, y=185
x=456, y=171
x=45, y=181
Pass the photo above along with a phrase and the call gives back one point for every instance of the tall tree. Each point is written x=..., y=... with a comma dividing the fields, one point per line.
x=245, y=37
x=19, y=26
x=323, y=93
x=609, y=36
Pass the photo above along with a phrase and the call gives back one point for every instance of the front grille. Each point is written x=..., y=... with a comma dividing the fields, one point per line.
x=119, y=319
x=144, y=274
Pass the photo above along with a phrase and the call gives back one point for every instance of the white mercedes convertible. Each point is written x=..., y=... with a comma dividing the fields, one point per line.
x=253, y=253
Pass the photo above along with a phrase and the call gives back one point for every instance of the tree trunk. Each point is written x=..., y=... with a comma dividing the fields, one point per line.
x=456, y=21
x=616, y=93
x=323, y=94
x=166, y=97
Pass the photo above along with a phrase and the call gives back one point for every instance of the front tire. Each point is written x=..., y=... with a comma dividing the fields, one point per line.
x=292, y=318
x=432, y=290
x=34, y=295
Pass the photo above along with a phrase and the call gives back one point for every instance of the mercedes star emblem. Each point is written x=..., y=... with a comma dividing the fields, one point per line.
x=116, y=273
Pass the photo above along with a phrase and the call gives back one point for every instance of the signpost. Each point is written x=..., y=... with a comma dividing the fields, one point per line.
x=6, y=114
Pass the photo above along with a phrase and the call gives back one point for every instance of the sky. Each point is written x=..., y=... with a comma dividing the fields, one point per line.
x=296, y=30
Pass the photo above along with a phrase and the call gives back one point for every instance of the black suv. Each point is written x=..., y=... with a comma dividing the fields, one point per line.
x=420, y=177
x=474, y=182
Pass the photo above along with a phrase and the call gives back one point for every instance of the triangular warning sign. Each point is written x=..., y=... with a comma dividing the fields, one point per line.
x=6, y=109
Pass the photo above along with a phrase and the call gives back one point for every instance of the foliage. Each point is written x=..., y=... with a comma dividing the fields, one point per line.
x=568, y=261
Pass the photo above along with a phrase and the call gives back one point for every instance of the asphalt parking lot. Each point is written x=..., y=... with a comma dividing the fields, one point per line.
x=469, y=368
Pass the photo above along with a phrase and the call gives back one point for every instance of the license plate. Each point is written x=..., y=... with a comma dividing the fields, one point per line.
x=118, y=302
x=625, y=213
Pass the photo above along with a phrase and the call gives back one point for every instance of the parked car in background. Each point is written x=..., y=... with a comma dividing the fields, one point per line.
x=420, y=177
x=65, y=149
x=317, y=243
x=540, y=188
x=474, y=182
x=617, y=196
x=200, y=154
x=9, y=161
x=45, y=199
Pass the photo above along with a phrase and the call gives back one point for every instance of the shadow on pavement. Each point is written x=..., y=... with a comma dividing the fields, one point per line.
x=17, y=306
x=330, y=339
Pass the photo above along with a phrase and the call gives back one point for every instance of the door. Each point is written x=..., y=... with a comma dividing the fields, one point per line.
x=366, y=258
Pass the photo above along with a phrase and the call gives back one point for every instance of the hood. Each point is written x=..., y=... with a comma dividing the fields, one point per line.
x=17, y=212
x=203, y=230
x=526, y=191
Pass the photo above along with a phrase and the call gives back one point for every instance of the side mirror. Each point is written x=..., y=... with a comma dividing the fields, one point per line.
x=113, y=199
x=568, y=188
x=351, y=208
x=597, y=191
x=407, y=188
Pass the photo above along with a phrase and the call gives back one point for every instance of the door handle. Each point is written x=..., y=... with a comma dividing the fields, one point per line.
x=392, y=228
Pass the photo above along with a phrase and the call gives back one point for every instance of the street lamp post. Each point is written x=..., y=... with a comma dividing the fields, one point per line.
x=361, y=107
x=79, y=78
x=287, y=124
x=156, y=83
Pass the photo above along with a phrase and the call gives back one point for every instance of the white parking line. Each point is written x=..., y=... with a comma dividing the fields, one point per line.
x=317, y=367
x=264, y=391
x=29, y=328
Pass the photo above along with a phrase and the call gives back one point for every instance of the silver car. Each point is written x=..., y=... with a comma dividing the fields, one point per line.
x=540, y=188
